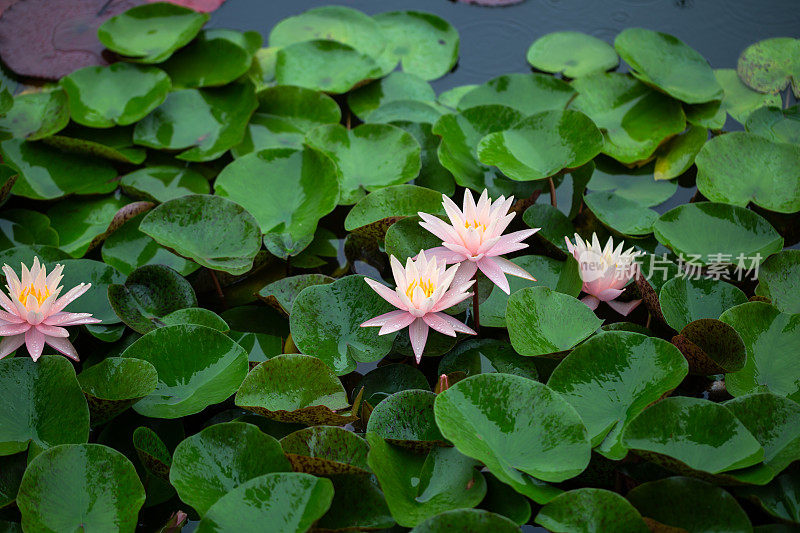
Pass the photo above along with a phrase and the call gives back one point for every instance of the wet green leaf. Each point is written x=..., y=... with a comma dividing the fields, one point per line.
x=775, y=124
x=685, y=299
x=620, y=214
x=778, y=278
x=163, y=183
x=326, y=450
x=358, y=503
x=36, y=115
x=386, y=380
x=632, y=184
x=481, y=356
x=769, y=66
x=406, y=419
x=465, y=520
x=198, y=316
x=327, y=66
x=678, y=155
x=739, y=100
x=572, y=53
x=589, y=509
x=114, y=384
x=527, y=93
x=502, y=499
x=393, y=202
x=397, y=86
x=711, y=347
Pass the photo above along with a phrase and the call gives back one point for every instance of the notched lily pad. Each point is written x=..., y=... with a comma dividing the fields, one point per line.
x=114, y=384
x=711, y=347
x=327, y=66
x=527, y=93
x=769, y=66
x=572, y=53
x=326, y=450
x=406, y=419
x=685, y=299
x=282, y=293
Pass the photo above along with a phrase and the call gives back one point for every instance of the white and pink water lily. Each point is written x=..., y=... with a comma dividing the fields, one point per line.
x=425, y=288
x=32, y=312
x=605, y=272
x=474, y=238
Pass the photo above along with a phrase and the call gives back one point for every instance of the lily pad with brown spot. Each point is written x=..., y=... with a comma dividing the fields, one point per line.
x=325, y=450
x=711, y=347
x=115, y=384
x=152, y=452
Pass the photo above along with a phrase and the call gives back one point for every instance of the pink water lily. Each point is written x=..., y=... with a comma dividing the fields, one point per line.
x=605, y=272
x=425, y=288
x=474, y=238
x=33, y=314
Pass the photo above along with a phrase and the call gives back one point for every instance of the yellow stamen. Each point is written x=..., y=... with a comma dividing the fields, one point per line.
x=426, y=286
x=474, y=224
x=40, y=296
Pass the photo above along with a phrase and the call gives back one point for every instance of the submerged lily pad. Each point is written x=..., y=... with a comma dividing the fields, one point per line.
x=614, y=376
x=295, y=388
x=527, y=93
x=54, y=410
x=542, y=321
x=406, y=419
x=326, y=450
x=769, y=66
x=213, y=462
x=283, y=292
x=326, y=321
x=114, y=384
x=197, y=366
x=668, y=63
x=685, y=299
x=572, y=53
x=778, y=278
x=386, y=380
x=590, y=509
x=36, y=115
x=80, y=486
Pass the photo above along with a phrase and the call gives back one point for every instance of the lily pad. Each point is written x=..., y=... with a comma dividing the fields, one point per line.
x=779, y=498
x=295, y=388
x=370, y=156
x=769, y=66
x=770, y=338
x=152, y=452
x=526, y=434
x=505, y=501
x=327, y=66
x=527, y=93
x=697, y=433
x=391, y=203
x=740, y=100
x=115, y=144
x=326, y=450
x=542, y=321
x=731, y=234
x=614, y=376
x=198, y=316
x=419, y=486
x=634, y=118
x=685, y=299
x=197, y=366
x=56, y=412
x=432, y=175
x=358, y=503
x=150, y=33
x=213, y=462
x=632, y=184
x=482, y=356
x=120, y=94
x=164, y=183
x=326, y=322
x=114, y=384
x=424, y=44
x=215, y=232
x=406, y=419
x=711, y=347
x=620, y=214
x=397, y=86
x=739, y=168
x=554, y=226
x=283, y=292
x=590, y=509
x=80, y=486
x=775, y=124
x=304, y=185
x=678, y=155
x=386, y=380
x=668, y=63
x=778, y=278
x=572, y=53
x=36, y=115
x=261, y=501
x=465, y=520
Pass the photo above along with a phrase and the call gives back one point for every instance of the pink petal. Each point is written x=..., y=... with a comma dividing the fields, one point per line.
x=63, y=346
x=34, y=340
x=384, y=292
x=10, y=317
x=438, y=227
x=466, y=271
x=439, y=324
x=418, y=333
x=380, y=320
x=9, y=344
x=70, y=319
x=513, y=269
x=52, y=331
x=591, y=301
x=8, y=305
x=397, y=323
x=71, y=295
x=457, y=326
x=7, y=330
x=608, y=295
x=445, y=254
x=624, y=308
x=511, y=242
x=453, y=212
x=494, y=273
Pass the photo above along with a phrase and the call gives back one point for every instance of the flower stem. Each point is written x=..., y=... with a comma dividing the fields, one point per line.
x=218, y=288
x=553, y=201
x=475, y=308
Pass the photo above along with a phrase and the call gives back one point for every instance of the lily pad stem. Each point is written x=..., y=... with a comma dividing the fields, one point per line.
x=553, y=201
x=475, y=308
x=218, y=288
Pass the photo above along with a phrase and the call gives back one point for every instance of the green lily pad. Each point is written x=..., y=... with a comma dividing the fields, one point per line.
x=778, y=278
x=295, y=388
x=120, y=94
x=527, y=93
x=270, y=131
x=526, y=434
x=589, y=509
x=711, y=347
x=406, y=419
x=424, y=44
x=542, y=145
x=204, y=123
x=326, y=450
x=504, y=500
x=419, y=486
x=283, y=292
x=25, y=254
x=769, y=66
x=451, y=97
x=397, y=86
x=620, y=214
x=391, y=203
x=358, y=503
x=554, y=227
x=46, y=173
x=614, y=376
x=432, y=175
x=775, y=124
x=561, y=276
x=10, y=477
x=215, y=232
x=731, y=234
x=114, y=384
x=482, y=356
x=386, y=380
x=80, y=486
x=36, y=115
x=150, y=33
x=771, y=337
x=636, y=185
x=212, y=463
x=739, y=168
x=214, y=58
x=405, y=238
x=572, y=53
x=260, y=501
x=685, y=299
x=370, y=156
x=197, y=366
x=304, y=185
x=327, y=66
x=740, y=100
x=54, y=412
x=163, y=183
x=694, y=433
x=465, y=520
x=542, y=321
x=634, y=118
x=95, y=300
x=326, y=322
x=678, y=155
x=780, y=498
x=128, y=249
x=114, y=144
x=152, y=452
x=668, y=63
x=711, y=115
x=198, y=316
